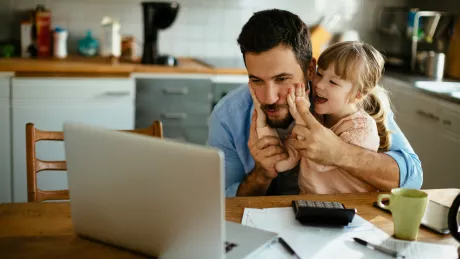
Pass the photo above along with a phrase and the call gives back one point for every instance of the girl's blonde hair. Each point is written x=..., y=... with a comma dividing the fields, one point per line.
x=362, y=64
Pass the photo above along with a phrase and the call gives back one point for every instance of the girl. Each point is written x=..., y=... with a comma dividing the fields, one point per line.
x=352, y=105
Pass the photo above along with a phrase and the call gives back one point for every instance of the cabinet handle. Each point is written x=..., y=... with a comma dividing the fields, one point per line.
x=428, y=115
x=117, y=93
x=180, y=91
x=174, y=116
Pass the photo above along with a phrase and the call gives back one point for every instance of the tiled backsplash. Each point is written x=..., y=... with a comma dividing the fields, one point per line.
x=203, y=28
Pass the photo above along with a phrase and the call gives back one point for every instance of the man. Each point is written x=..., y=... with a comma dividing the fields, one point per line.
x=277, y=52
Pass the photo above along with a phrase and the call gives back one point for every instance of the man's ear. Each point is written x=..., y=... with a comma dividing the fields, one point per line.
x=311, y=69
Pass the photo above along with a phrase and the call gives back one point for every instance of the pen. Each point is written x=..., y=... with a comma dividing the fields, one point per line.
x=287, y=247
x=378, y=248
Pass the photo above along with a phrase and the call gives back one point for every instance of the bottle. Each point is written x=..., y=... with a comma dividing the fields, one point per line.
x=42, y=31
x=111, y=39
x=60, y=43
x=88, y=45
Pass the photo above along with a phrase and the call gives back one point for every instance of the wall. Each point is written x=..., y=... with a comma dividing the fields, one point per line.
x=203, y=28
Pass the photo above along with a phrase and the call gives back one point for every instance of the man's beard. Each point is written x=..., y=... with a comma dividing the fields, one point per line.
x=281, y=123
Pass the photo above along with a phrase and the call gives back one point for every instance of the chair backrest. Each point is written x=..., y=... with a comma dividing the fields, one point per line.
x=35, y=165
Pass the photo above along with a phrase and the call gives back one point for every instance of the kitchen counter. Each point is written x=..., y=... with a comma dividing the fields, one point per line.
x=410, y=81
x=97, y=66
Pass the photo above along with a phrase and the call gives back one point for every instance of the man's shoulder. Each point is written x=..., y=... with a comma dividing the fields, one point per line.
x=236, y=104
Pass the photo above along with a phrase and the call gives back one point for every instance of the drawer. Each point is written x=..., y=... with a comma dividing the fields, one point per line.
x=150, y=105
x=450, y=119
x=222, y=89
x=72, y=88
x=4, y=87
x=195, y=135
x=177, y=94
x=182, y=118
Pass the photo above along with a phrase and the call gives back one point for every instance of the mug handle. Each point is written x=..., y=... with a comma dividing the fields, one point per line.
x=381, y=205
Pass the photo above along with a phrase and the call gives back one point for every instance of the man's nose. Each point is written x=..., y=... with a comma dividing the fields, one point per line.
x=271, y=94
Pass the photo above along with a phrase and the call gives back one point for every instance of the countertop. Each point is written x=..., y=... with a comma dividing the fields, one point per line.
x=78, y=66
x=410, y=81
x=97, y=66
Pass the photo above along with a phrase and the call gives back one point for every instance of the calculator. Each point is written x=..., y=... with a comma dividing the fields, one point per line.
x=309, y=212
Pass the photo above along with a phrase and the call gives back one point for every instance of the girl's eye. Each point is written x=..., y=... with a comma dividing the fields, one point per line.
x=334, y=83
x=318, y=74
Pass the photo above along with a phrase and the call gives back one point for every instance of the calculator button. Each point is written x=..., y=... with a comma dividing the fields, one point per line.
x=338, y=205
x=302, y=203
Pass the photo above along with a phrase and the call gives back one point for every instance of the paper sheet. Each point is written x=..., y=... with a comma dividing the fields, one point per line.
x=321, y=242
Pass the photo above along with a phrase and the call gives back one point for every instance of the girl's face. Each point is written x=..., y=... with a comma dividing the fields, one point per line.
x=332, y=93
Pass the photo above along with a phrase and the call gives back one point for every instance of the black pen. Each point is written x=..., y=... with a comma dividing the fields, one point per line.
x=378, y=248
x=288, y=247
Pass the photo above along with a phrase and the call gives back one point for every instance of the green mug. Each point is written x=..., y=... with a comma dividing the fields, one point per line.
x=407, y=207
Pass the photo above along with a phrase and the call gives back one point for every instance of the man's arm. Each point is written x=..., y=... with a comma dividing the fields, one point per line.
x=399, y=167
x=377, y=169
x=221, y=138
x=253, y=184
x=410, y=167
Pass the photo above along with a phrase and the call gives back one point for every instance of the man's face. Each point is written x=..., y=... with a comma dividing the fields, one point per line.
x=271, y=74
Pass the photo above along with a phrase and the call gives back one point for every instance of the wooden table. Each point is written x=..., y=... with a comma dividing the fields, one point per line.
x=44, y=230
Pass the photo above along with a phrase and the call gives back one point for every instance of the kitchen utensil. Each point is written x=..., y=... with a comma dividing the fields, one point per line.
x=407, y=207
x=435, y=65
x=157, y=16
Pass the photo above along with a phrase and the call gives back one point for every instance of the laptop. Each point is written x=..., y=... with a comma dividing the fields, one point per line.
x=155, y=196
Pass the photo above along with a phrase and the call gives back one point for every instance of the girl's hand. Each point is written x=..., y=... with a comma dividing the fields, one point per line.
x=298, y=93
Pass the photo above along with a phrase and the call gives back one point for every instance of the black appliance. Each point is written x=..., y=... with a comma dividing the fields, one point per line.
x=157, y=16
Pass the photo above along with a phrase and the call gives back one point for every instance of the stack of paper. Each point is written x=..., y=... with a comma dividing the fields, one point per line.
x=337, y=242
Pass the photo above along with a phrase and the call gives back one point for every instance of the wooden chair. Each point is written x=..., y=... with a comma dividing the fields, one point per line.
x=35, y=165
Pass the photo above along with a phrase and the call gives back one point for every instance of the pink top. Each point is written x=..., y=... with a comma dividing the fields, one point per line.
x=359, y=129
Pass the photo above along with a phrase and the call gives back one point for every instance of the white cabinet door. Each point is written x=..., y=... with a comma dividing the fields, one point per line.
x=114, y=110
x=5, y=140
x=430, y=125
x=5, y=151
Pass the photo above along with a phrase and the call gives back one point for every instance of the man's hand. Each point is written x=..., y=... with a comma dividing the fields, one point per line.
x=266, y=151
x=314, y=141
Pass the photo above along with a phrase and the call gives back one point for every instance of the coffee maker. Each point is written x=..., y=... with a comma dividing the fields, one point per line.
x=157, y=16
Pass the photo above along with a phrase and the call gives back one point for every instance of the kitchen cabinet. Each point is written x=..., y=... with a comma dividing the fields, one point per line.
x=48, y=103
x=182, y=104
x=224, y=84
x=5, y=146
x=432, y=127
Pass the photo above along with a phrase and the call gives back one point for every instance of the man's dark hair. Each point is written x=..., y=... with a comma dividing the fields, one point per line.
x=270, y=28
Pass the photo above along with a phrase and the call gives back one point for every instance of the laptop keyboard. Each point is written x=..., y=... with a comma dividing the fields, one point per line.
x=229, y=246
